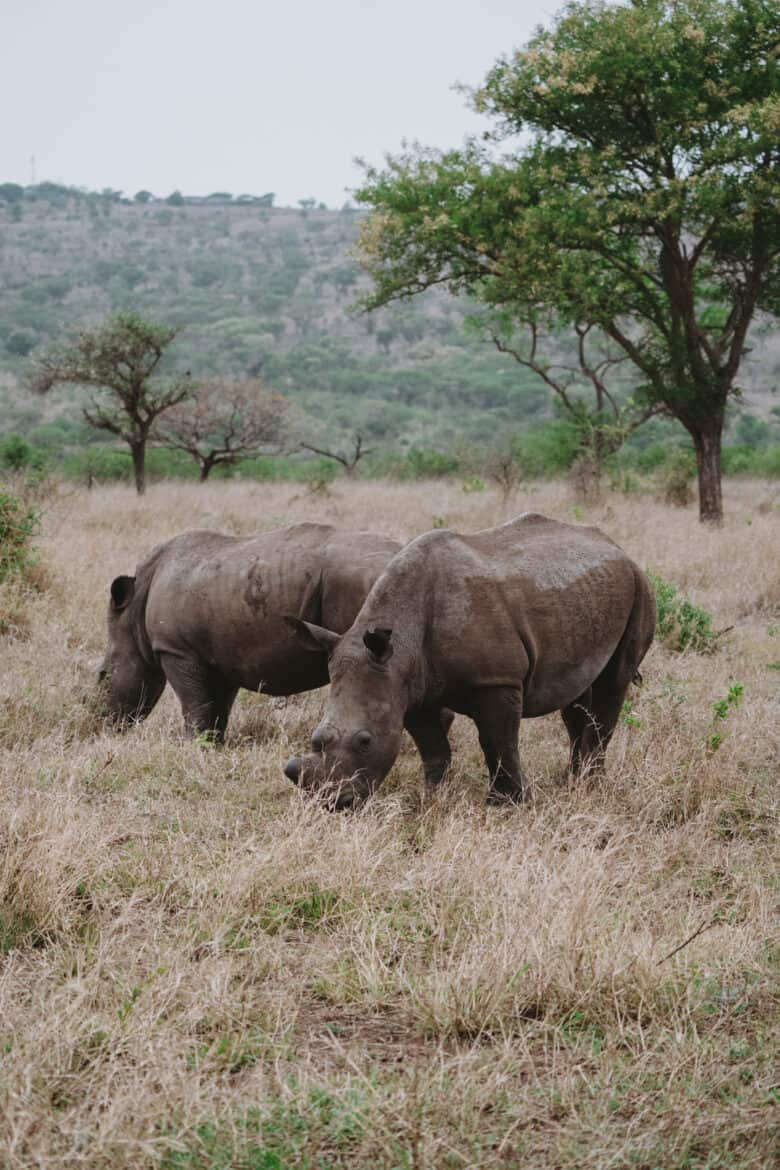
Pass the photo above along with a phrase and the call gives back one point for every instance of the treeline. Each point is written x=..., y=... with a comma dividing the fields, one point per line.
x=545, y=449
x=58, y=194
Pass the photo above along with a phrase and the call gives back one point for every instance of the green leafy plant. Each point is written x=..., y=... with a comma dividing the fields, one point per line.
x=721, y=709
x=679, y=623
x=18, y=525
x=627, y=716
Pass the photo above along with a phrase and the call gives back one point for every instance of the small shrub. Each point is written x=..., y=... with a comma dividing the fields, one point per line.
x=721, y=709
x=422, y=463
x=18, y=525
x=676, y=484
x=585, y=479
x=16, y=454
x=680, y=624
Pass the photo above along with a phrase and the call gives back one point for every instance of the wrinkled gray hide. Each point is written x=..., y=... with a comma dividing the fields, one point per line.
x=204, y=612
x=531, y=617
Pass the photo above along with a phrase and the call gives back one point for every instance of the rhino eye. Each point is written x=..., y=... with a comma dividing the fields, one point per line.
x=362, y=740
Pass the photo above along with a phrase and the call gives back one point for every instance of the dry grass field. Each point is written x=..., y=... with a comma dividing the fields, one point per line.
x=199, y=969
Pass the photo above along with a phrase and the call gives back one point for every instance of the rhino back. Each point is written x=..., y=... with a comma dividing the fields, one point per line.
x=352, y=563
x=222, y=599
x=533, y=603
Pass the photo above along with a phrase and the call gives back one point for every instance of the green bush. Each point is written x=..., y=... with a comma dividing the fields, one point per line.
x=547, y=449
x=680, y=624
x=768, y=462
x=739, y=460
x=16, y=454
x=97, y=462
x=676, y=479
x=421, y=463
x=18, y=525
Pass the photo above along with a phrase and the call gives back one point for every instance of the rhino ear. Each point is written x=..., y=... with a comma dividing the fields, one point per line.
x=122, y=590
x=378, y=644
x=312, y=637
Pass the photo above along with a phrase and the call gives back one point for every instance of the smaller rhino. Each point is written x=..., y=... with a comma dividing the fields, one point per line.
x=518, y=621
x=204, y=612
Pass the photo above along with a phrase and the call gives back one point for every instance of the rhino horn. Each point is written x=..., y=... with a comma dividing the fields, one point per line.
x=315, y=638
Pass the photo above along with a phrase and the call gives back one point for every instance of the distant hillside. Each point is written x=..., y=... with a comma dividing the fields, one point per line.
x=263, y=290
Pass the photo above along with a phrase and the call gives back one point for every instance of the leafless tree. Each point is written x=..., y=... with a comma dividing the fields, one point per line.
x=350, y=461
x=225, y=421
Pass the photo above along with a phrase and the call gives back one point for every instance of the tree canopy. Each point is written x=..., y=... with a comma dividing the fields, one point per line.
x=640, y=195
x=121, y=360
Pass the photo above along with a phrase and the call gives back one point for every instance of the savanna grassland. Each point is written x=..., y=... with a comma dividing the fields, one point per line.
x=200, y=969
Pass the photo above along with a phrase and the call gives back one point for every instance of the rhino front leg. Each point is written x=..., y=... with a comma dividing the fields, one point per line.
x=429, y=730
x=497, y=712
x=206, y=699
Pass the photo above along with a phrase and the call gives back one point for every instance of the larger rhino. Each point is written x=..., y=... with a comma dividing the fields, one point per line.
x=528, y=618
x=204, y=612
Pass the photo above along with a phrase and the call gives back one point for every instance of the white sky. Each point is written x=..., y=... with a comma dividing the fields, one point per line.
x=239, y=95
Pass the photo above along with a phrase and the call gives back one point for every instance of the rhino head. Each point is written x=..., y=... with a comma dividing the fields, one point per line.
x=358, y=739
x=128, y=685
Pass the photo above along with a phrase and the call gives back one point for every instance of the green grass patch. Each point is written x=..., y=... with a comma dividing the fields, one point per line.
x=317, y=1131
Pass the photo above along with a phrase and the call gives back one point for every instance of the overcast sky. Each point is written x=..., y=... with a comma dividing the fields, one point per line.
x=239, y=95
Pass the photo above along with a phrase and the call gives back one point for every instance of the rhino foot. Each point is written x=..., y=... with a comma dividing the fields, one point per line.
x=512, y=796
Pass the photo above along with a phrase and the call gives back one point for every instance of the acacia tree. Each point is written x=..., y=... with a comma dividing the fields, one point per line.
x=120, y=360
x=602, y=416
x=225, y=421
x=348, y=460
x=643, y=198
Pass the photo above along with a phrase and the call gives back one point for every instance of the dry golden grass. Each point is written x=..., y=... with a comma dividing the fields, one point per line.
x=198, y=969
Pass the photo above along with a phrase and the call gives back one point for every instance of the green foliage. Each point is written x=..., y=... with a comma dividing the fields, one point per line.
x=11, y=192
x=676, y=478
x=645, y=190
x=547, y=449
x=747, y=460
x=314, y=1131
x=20, y=342
x=306, y=911
x=18, y=525
x=628, y=718
x=680, y=624
x=721, y=710
x=16, y=454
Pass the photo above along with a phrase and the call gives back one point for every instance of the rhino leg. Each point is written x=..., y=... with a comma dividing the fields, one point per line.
x=576, y=717
x=206, y=699
x=591, y=720
x=497, y=712
x=428, y=729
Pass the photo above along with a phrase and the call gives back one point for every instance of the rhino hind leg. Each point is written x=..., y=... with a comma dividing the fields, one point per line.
x=592, y=718
x=206, y=699
x=497, y=712
x=429, y=730
x=591, y=721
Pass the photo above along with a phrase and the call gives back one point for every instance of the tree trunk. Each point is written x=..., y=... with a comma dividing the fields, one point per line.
x=205, y=469
x=138, y=451
x=707, y=444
